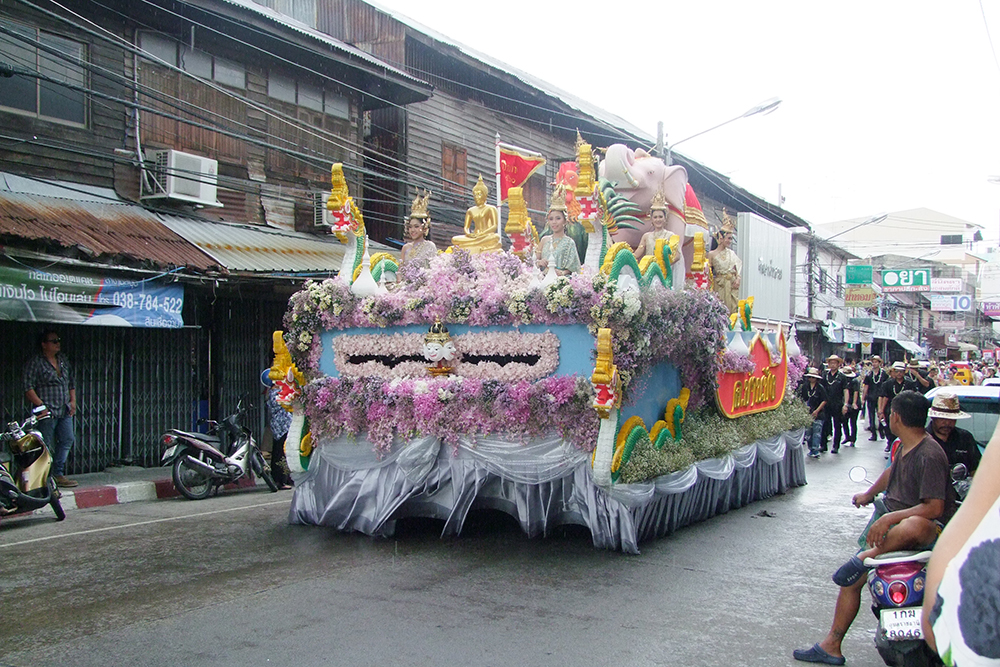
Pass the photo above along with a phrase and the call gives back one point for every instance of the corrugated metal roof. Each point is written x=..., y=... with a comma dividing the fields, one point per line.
x=94, y=220
x=253, y=248
x=298, y=26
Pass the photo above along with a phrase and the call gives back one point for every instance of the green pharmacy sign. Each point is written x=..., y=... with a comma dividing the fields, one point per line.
x=906, y=280
x=859, y=275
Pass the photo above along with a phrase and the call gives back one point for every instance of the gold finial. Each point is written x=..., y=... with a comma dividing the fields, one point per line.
x=338, y=188
x=558, y=201
x=584, y=169
x=579, y=140
x=517, y=218
x=659, y=202
x=418, y=208
x=480, y=187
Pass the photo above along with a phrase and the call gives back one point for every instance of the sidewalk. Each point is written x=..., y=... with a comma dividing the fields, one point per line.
x=123, y=484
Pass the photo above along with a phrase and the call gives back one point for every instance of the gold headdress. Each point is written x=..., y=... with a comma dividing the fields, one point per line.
x=659, y=202
x=728, y=223
x=418, y=209
x=558, y=201
x=438, y=333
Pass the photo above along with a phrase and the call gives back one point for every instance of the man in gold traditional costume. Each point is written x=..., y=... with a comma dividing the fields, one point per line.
x=481, y=224
x=418, y=228
x=726, y=266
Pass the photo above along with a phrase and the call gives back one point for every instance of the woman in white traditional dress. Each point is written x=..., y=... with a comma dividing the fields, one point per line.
x=558, y=250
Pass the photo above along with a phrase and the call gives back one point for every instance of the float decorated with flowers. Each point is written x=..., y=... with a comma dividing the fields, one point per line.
x=618, y=393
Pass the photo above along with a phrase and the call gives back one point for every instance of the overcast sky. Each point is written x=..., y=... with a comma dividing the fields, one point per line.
x=886, y=106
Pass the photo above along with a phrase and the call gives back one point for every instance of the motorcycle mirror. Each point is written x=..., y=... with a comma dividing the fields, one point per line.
x=858, y=474
x=959, y=471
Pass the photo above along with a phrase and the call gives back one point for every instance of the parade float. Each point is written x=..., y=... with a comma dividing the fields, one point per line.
x=623, y=396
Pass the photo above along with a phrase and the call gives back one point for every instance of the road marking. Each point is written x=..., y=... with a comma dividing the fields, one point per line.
x=140, y=523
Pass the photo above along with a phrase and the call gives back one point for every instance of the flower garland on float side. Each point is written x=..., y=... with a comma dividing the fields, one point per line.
x=495, y=289
x=452, y=408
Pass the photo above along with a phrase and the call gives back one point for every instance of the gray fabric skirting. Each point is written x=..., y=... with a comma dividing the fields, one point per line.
x=542, y=484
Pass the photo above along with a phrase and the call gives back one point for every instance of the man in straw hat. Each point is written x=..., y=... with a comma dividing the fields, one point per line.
x=813, y=394
x=918, y=500
x=871, y=389
x=852, y=397
x=957, y=443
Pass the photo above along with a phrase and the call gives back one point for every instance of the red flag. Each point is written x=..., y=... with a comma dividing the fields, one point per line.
x=516, y=166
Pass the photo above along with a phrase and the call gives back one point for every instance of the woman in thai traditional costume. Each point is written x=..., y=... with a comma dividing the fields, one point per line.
x=418, y=228
x=658, y=218
x=557, y=249
x=726, y=266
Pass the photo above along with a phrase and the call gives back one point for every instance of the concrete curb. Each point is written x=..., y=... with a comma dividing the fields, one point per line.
x=86, y=497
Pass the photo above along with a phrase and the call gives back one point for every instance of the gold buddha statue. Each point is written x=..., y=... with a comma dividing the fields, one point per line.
x=481, y=224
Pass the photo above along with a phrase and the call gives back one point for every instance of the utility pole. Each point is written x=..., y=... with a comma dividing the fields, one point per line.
x=810, y=286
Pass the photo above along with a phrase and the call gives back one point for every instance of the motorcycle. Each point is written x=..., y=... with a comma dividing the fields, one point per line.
x=199, y=465
x=896, y=582
x=26, y=482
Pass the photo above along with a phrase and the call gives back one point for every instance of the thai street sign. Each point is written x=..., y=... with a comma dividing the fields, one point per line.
x=739, y=394
x=946, y=284
x=858, y=275
x=859, y=296
x=906, y=280
x=951, y=302
x=991, y=308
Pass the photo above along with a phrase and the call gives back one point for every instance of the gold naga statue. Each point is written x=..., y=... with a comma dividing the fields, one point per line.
x=481, y=224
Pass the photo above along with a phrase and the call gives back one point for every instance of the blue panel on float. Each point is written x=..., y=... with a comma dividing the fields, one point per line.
x=651, y=391
x=576, y=344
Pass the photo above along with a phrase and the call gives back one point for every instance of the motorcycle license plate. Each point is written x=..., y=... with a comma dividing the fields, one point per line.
x=902, y=624
x=170, y=453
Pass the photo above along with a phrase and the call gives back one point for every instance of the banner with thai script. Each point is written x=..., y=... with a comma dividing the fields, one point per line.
x=991, y=308
x=742, y=393
x=859, y=296
x=58, y=294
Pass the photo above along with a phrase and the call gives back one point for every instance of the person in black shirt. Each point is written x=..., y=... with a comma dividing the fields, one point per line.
x=918, y=381
x=957, y=443
x=890, y=389
x=835, y=408
x=871, y=390
x=813, y=394
x=852, y=385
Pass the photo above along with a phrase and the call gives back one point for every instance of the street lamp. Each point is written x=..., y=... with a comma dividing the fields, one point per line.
x=765, y=107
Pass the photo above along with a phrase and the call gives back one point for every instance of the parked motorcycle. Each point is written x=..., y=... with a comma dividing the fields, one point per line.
x=26, y=482
x=199, y=464
x=896, y=582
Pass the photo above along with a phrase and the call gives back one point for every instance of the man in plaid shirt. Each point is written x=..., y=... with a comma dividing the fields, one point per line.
x=48, y=381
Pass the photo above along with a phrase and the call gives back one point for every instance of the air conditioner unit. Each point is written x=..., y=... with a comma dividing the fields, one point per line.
x=321, y=216
x=181, y=176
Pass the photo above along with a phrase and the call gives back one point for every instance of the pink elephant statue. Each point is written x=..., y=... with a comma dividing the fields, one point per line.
x=638, y=175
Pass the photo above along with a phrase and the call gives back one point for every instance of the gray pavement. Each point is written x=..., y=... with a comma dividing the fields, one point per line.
x=227, y=581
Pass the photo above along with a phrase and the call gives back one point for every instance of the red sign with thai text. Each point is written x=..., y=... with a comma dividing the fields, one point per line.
x=741, y=394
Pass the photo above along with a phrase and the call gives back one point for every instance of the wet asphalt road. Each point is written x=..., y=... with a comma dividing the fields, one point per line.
x=227, y=581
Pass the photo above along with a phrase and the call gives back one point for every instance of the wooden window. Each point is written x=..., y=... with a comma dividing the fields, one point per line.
x=453, y=167
x=60, y=95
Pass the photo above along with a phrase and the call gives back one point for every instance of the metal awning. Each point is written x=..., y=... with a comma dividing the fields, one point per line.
x=910, y=346
x=964, y=347
x=258, y=249
x=95, y=221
